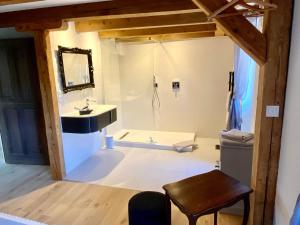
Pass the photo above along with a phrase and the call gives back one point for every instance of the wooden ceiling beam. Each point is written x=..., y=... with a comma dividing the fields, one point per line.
x=141, y=22
x=90, y=10
x=167, y=37
x=14, y=2
x=44, y=25
x=201, y=28
x=241, y=31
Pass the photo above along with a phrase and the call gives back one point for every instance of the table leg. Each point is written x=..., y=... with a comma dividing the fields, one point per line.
x=168, y=207
x=216, y=218
x=192, y=221
x=246, y=210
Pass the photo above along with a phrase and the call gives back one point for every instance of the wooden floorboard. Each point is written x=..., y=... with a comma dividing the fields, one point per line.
x=28, y=191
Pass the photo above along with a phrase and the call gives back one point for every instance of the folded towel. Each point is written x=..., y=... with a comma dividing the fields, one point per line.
x=230, y=143
x=184, y=146
x=237, y=135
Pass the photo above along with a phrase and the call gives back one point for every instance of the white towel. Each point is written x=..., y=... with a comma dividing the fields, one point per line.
x=237, y=135
x=184, y=146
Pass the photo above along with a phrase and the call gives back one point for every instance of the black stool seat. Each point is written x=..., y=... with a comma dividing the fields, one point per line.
x=149, y=208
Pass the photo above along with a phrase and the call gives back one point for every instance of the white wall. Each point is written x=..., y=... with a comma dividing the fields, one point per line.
x=78, y=147
x=111, y=80
x=70, y=38
x=201, y=65
x=288, y=186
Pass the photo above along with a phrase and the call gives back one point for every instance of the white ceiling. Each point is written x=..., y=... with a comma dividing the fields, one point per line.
x=43, y=4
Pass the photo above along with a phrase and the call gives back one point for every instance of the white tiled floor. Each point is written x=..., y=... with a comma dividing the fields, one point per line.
x=145, y=169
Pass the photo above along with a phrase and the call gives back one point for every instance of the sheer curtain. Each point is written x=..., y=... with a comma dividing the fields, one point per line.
x=244, y=69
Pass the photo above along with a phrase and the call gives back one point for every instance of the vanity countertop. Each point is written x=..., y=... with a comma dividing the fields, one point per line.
x=97, y=110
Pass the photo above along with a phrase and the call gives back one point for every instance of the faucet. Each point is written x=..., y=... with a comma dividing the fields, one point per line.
x=88, y=100
x=87, y=104
x=151, y=140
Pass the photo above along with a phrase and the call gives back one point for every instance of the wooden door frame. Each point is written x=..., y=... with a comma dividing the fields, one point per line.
x=272, y=84
x=273, y=75
x=50, y=103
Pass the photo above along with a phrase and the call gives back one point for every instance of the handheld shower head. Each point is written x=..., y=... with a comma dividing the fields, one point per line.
x=155, y=98
x=155, y=84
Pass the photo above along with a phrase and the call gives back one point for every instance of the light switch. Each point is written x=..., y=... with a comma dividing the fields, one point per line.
x=272, y=111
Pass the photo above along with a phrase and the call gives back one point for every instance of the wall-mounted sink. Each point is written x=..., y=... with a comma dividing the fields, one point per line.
x=100, y=117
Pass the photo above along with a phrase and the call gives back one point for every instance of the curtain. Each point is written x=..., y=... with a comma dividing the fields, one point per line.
x=244, y=67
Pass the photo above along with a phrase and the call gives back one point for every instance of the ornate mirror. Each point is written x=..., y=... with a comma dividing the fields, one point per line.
x=76, y=68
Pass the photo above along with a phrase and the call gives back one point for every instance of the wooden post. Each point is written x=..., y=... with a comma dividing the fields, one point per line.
x=50, y=103
x=238, y=28
x=272, y=87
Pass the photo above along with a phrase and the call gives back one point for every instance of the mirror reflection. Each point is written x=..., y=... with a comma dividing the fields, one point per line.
x=76, y=68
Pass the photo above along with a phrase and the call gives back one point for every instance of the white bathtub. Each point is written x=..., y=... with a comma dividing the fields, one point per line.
x=153, y=139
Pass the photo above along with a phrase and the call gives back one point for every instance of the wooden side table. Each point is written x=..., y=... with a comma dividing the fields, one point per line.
x=207, y=194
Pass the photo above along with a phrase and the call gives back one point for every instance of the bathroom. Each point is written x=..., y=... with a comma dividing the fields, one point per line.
x=165, y=93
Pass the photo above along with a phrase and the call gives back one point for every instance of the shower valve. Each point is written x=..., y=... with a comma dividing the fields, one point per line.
x=176, y=85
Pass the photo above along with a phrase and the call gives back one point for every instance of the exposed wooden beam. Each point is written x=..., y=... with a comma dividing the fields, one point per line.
x=13, y=2
x=42, y=25
x=141, y=22
x=159, y=31
x=239, y=29
x=272, y=88
x=105, y=8
x=167, y=37
x=50, y=103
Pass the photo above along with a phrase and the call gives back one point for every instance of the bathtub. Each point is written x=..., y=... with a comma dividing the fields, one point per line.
x=153, y=139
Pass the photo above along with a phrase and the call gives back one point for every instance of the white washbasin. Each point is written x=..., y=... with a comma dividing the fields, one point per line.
x=97, y=110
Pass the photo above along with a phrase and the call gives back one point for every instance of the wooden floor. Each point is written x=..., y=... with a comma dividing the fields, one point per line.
x=28, y=191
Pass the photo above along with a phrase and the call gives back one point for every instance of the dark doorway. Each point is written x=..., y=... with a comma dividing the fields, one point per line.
x=21, y=117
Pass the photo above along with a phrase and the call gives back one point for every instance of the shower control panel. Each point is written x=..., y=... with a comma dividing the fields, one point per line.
x=175, y=85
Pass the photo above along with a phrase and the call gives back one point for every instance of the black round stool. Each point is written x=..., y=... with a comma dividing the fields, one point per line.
x=149, y=208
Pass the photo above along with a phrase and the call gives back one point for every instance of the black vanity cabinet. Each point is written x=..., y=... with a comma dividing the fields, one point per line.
x=88, y=123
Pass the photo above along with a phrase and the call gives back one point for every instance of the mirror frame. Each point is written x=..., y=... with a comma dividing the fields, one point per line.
x=88, y=53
